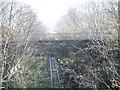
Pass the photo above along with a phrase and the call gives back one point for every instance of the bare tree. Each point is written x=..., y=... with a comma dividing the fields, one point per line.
x=18, y=25
x=99, y=24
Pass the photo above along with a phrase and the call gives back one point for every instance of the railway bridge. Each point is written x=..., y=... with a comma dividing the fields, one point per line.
x=55, y=49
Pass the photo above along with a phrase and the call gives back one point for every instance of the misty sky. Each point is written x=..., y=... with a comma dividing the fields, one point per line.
x=50, y=11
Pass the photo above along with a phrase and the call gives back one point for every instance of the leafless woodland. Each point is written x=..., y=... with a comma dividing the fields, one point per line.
x=86, y=45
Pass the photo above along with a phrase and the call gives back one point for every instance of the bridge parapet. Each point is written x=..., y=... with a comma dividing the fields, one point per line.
x=69, y=36
x=61, y=36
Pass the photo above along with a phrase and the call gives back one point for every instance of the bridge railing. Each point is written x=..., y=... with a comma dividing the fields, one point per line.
x=61, y=36
x=70, y=36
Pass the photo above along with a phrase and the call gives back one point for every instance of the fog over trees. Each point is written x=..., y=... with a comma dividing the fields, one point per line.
x=91, y=20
